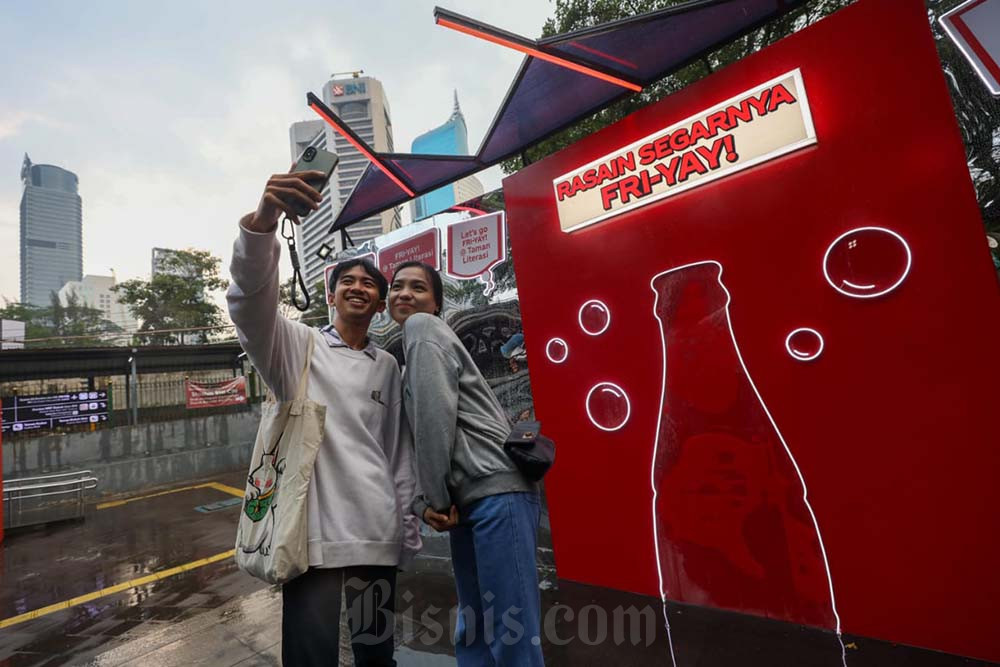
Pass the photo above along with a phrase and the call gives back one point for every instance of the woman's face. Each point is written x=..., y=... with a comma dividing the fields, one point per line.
x=410, y=292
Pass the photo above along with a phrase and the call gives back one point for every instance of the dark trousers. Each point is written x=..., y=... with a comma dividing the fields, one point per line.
x=310, y=616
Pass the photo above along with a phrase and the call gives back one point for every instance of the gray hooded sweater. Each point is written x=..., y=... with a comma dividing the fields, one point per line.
x=363, y=481
x=459, y=426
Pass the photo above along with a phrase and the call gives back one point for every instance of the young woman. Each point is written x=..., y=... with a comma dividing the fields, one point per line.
x=468, y=484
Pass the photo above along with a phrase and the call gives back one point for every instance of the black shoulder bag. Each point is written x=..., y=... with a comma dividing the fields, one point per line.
x=532, y=452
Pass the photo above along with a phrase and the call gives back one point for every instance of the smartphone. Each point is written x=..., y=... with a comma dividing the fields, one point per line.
x=315, y=159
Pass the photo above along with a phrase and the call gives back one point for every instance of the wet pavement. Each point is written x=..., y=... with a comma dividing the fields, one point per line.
x=48, y=565
x=86, y=593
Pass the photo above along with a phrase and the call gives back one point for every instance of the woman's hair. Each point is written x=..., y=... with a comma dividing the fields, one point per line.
x=432, y=276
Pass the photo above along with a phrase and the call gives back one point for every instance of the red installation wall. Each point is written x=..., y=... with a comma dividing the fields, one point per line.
x=773, y=393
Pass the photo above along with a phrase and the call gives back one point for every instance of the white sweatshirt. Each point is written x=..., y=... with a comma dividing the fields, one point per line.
x=363, y=482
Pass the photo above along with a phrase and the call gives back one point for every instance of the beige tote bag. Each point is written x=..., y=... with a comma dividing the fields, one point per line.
x=272, y=540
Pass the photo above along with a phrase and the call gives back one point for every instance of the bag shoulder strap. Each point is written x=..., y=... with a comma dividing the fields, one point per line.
x=300, y=393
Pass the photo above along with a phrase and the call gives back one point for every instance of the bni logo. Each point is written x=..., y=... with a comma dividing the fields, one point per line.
x=338, y=91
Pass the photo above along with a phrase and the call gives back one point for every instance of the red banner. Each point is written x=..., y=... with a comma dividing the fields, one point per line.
x=214, y=394
x=422, y=247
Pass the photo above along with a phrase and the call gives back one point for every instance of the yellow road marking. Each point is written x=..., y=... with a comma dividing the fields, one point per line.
x=209, y=485
x=227, y=489
x=132, y=583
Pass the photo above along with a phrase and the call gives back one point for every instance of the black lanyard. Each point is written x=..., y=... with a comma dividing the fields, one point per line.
x=297, y=275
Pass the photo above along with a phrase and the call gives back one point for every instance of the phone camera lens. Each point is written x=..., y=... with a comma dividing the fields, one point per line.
x=309, y=154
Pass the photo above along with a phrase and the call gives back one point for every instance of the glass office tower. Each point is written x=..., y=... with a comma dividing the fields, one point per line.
x=452, y=138
x=51, y=231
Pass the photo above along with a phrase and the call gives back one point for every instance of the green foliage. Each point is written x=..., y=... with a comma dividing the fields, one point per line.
x=577, y=14
x=175, y=298
x=318, y=314
x=74, y=324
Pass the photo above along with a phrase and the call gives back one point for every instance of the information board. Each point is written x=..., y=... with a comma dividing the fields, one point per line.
x=49, y=411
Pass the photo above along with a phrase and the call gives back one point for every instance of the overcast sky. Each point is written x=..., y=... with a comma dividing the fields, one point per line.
x=173, y=114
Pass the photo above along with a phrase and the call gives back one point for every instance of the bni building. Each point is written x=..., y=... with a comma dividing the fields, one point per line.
x=51, y=231
x=451, y=138
x=361, y=103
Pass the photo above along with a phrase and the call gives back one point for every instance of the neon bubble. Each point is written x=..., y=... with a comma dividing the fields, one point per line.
x=594, y=317
x=608, y=406
x=557, y=350
x=867, y=262
x=804, y=344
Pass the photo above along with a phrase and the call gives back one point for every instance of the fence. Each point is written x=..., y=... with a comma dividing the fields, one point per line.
x=157, y=397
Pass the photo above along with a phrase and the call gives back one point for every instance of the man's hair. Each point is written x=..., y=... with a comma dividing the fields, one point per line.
x=366, y=264
x=432, y=276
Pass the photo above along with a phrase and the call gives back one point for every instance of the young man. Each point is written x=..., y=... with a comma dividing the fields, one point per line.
x=363, y=481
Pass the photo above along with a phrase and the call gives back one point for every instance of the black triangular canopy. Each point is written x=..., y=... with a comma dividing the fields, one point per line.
x=546, y=97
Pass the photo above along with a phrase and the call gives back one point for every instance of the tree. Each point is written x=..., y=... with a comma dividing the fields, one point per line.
x=576, y=14
x=74, y=324
x=176, y=298
x=318, y=314
x=77, y=323
x=37, y=319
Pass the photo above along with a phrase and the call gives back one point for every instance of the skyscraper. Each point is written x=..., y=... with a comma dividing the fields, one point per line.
x=51, y=231
x=96, y=292
x=452, y=138
x=361, y=103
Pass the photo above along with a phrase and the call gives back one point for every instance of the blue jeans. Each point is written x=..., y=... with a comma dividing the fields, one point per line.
x=493, y=554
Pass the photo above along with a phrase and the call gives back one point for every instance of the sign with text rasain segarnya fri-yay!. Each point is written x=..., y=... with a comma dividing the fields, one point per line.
x=748, y=129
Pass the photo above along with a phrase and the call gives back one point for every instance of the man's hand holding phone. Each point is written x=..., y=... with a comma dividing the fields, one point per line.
x=284, y=193
x=296, y=194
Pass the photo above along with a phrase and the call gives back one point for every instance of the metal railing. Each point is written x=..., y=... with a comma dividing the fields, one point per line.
x=32, y=500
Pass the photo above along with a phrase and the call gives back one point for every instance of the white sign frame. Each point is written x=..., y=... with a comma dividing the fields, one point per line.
x=984, y=16
x=486, y=275
x=808, y=140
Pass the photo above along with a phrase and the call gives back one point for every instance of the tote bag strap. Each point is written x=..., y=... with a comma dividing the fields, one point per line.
x=300, y=393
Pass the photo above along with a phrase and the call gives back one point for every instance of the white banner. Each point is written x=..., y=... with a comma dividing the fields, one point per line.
x=752, y=127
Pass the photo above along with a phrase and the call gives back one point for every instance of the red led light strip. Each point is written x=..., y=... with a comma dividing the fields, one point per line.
x=541, y=55
x=362, y=149
x=602, y=54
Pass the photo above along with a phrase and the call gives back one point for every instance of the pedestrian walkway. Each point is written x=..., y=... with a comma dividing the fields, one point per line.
x=150, y=580
x=69, y=590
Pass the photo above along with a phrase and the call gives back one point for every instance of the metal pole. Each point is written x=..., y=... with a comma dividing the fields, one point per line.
x=135, y=390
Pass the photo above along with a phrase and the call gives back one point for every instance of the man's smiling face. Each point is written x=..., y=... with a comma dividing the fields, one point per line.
x=356, y=296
